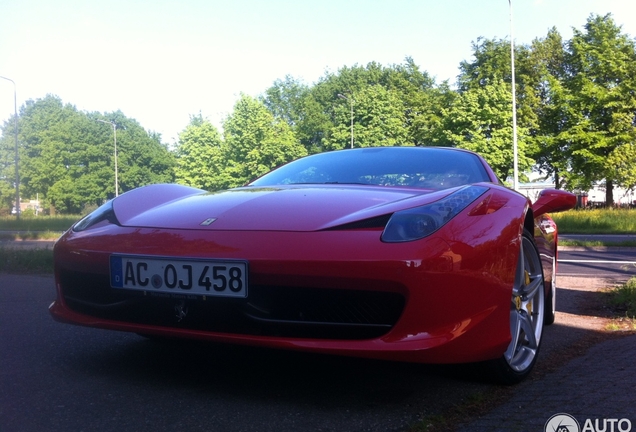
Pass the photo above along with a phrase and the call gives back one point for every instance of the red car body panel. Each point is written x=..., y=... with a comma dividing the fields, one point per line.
x=281, y=208
x=447, y=317
x=455, y=283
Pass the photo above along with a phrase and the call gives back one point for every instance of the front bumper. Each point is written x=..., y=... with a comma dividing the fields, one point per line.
x=430, y=301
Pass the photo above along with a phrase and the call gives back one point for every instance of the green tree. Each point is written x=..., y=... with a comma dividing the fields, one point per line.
x=67, y=157
x=491, y=63
x=378, y=120
x=323, y=107
x=489, y=68
x=199, y=154
x=285, y=100
x=142, y=157
x=49, y=149
x=7, y=167
x=427, y=121
x=602, y=83
x=318, y=116
x=422, y=100
x=291, y=101
x=552, y=107
x=481, y=121
x=254, y=143
x=621, y=160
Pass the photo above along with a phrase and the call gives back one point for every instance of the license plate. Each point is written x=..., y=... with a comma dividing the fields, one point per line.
x=220, y=278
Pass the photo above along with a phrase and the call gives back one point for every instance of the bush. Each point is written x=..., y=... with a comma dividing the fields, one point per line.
x=26, y=261
x=623, y=299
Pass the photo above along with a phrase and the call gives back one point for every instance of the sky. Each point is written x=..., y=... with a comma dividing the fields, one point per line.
x=161, y=61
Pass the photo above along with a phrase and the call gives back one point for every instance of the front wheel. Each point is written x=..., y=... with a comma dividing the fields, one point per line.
x=527, y=315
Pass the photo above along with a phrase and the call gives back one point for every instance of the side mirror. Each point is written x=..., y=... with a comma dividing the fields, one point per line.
x=552, y=201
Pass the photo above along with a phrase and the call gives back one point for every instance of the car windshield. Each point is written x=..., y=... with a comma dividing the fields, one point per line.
x=423, y=167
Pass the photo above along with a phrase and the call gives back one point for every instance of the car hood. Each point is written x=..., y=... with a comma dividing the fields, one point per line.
x=292, y=208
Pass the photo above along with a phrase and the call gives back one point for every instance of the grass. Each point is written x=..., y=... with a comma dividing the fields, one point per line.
x=30, y=235
x=622, y=301
x=35, y=227
x=38, y=223
x=13, y=260
x=587, y=243
x=597, y=221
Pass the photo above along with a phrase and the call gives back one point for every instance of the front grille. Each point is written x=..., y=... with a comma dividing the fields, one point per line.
x=268, y=311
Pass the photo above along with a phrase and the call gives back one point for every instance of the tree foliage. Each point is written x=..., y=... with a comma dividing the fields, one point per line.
x=576, y=102
x=601, y=80
x=549, y=146
x=199, y=154
x=576, y=108
x=481, y=121
x=255, y=142
x=393, y=105
x=7, y=166
x=67, y=157
x=378, y=120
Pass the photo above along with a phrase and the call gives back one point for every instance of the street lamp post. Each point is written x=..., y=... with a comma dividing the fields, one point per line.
x=15, y=130
x=351, y=101
x=514, y=106
x=114, y=125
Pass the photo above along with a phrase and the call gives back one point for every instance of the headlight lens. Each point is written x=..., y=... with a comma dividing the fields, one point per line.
x=104, y=212
x=419, y=222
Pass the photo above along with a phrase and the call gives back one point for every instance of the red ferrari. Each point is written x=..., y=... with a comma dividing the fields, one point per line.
x=415, y=254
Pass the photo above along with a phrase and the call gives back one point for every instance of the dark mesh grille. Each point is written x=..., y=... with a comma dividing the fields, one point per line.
x=268, y=310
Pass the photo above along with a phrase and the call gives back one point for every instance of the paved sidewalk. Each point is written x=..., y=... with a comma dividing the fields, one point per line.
x=598, y=383
x=601, y=385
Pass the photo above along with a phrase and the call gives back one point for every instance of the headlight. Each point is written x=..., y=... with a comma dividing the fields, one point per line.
x=419, y=222
x=103, y=213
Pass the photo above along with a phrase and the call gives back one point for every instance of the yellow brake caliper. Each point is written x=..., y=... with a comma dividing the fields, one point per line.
x=529, y=305
x=518, y=301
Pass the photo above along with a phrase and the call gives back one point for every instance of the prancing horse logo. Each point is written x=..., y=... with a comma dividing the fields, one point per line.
x=181, y=310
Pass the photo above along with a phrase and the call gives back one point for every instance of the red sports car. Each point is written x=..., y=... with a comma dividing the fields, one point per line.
x=415, y=254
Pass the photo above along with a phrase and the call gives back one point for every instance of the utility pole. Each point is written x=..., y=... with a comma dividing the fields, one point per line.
x=514, y=106
x=351, y=101
x=115, y=139
x=15, y=130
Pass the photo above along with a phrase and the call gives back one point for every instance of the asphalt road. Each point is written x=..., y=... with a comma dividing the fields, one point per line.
x=57, y=377
x=614, y=263
x=607, y=238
